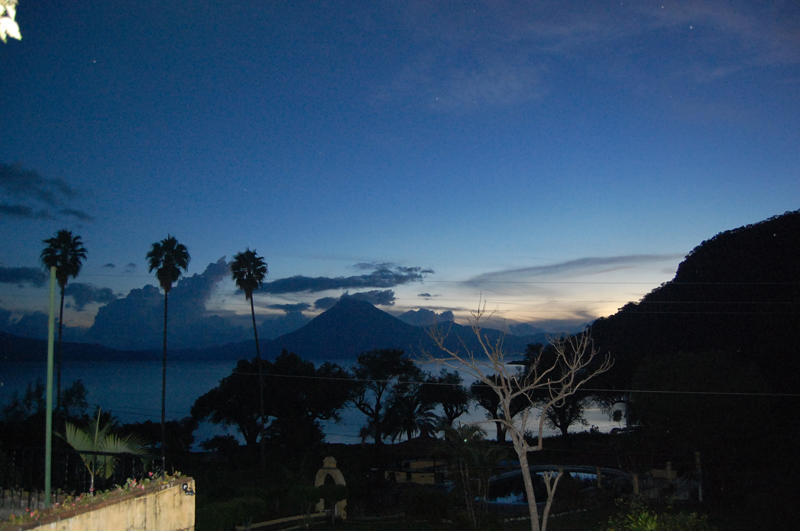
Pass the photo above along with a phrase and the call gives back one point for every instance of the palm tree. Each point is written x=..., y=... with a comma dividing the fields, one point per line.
x=409, y=412
x=248, y=271
x=101, y=440
x=66, y=253
x=168, y=258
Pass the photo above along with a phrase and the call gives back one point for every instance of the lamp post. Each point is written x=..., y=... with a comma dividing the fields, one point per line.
x=48, y=436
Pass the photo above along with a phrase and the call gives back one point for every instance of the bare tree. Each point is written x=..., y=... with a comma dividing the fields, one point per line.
x=576, y=363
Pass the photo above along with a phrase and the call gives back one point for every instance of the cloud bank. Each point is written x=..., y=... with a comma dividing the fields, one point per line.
x=383, y=275
x=374, y=297
x=85, y=294
x=426, y=317
x=136, y=321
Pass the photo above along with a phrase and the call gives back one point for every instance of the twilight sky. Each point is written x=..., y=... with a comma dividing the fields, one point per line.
x=558, y=157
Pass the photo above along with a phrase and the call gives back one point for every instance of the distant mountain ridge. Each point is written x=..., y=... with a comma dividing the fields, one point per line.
x=350, y=327
x=353, y=326
x=738, y=292
x=14, y=348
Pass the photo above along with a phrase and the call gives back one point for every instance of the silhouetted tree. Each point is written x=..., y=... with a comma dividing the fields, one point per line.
x=22, y=418
x=375, y=375
x=575, y=357
x=73, y=403
x=223, y=444
x=446, y=389
x=66, y=253
x=248, y=271
x=566, y=411
x=489, y=400
x=180, y=434
x=297, y=396
x=410, y=412
x=168, y=259
x=234, y=402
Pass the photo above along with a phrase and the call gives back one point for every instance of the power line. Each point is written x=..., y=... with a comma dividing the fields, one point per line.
x=584, y=389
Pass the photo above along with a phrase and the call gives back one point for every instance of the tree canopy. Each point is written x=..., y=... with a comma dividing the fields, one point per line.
x=447, y=390
x=297, y=396
x=168, y=259
x=376, y=375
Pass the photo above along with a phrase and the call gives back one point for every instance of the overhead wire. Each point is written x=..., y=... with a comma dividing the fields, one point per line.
x=595, y=390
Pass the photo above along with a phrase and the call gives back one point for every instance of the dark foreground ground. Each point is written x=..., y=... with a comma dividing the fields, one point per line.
x=232, y=490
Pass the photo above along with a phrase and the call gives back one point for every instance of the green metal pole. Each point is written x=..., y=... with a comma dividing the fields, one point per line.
x=48, y=436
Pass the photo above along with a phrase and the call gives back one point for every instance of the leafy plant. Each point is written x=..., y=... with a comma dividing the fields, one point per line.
x=98, y=439
x=637, y=516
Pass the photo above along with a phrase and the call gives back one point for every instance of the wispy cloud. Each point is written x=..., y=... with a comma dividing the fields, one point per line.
x=290, y=308
x=500, y=53
x=28, y=187
x=22, y=275
x=19, y=182
x=22, y=212
x=427, y=296
x=77, y=214
x=569, y=269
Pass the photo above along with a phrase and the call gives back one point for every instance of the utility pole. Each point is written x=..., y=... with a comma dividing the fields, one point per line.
x=48, y=436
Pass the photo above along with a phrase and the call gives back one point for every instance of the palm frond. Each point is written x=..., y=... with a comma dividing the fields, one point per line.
x=94, y=438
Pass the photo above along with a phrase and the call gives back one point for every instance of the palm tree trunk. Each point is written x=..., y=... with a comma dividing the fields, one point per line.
x=60, y=350
x=164, y=393
x=260, y=388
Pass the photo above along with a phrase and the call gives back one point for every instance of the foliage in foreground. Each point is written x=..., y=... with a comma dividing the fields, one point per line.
x=637, y=516
x=93, y=439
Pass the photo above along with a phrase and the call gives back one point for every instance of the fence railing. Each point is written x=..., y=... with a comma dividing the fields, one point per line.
x=22, y=469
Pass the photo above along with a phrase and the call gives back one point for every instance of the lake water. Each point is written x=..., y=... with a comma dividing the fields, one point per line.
x=132, y=392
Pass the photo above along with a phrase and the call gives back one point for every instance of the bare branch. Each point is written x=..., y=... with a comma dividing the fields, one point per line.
x=576, y=361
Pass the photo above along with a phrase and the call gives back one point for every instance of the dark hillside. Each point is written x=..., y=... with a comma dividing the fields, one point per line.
x=13, y=348
x=738, y=293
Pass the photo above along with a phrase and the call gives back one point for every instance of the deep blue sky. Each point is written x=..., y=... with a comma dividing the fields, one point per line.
x=558, y=157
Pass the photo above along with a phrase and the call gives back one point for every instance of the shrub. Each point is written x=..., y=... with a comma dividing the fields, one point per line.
x=637, y=516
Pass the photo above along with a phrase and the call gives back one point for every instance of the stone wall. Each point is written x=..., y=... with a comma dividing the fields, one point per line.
x=156, y=508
